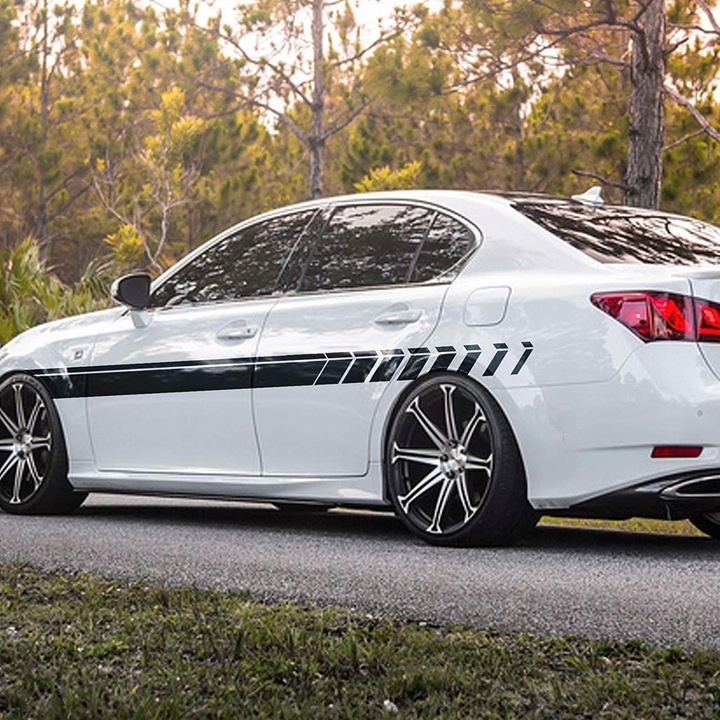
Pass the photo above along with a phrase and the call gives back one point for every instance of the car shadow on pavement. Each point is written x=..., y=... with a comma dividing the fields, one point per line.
x=243, y=515
x=381, y=526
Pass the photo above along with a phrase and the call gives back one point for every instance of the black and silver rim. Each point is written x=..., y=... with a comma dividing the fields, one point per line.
x=25, y=443
x=441, y=458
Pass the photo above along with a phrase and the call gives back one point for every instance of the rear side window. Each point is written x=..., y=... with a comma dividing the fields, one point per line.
x=620, y=235
x=376, y=245
x=446, y=245
x=246, y=264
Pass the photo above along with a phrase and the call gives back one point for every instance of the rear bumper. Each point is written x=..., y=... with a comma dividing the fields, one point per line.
x=671, y=498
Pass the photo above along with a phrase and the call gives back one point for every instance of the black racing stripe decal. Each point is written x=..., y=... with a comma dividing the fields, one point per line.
x=361, y=367
x=335, y=369
x=266, y=372
x=446, y=354
x=184, y=379
x=473, y=353
x=523, y=358
x=288, y=370
x=63, y=384
x=502, y=351
x=386, y=369
x=414, y=366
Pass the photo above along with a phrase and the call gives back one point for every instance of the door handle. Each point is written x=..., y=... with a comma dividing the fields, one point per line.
x=401, y=317
x=237, y=332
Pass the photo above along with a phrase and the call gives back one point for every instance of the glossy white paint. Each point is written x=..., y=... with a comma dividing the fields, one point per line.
x=323, y=429
x=586, y=399
x=179, y=432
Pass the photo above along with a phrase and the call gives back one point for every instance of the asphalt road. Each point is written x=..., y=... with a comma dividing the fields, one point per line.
x=600, y=584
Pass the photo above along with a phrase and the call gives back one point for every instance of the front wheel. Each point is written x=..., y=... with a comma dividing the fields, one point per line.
x=453, y=469
x=33, y=459
x=709, y=523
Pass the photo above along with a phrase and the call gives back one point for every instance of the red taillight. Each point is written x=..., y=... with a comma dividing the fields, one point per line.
x=663, y=316
x=707, y=315
x=650, y=315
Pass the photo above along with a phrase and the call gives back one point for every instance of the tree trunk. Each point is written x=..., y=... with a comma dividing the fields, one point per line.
x=316, y=139
x=643, y=179
x=41, y=224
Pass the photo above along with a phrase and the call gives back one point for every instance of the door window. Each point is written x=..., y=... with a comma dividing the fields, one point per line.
x=245, y=264
x=378, y=245
x=367, y=245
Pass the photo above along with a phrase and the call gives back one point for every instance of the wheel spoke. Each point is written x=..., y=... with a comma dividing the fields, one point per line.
x=38, y=443
x=10, y=426
x=34, y=474
x=7, y=465
x=428, y=482
x=475, y=420
x=427, y=424
x=7, y=445
x=476, y=463
x=15, y=499
x=464, y=495
x=440, y=506
x=35, y=414
x=418, y=455
x=450, y=424
x=19, y=409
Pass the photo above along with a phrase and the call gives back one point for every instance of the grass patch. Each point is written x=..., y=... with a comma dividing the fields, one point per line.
x=82, y=647
x=647, y=525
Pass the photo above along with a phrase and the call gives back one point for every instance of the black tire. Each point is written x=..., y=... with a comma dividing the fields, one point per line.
x=33, y=458
x=453, y=470
x=709, y=523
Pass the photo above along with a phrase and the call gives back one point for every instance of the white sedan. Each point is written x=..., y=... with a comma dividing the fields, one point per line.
x=470, y=360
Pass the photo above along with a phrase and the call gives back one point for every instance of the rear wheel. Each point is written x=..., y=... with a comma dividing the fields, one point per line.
x=709, y=523
x=453, y=469
x=33, y=459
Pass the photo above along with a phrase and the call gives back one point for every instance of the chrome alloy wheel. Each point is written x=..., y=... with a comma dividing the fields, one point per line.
x=26, y=442
x=441, y=458
x=33, y=459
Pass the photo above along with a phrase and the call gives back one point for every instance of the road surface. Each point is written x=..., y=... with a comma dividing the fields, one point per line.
x=600, y=584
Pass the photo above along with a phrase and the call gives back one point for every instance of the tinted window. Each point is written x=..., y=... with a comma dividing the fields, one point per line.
x=616, y=234
x=367, y=245
x=447, y=243
x=246, y=264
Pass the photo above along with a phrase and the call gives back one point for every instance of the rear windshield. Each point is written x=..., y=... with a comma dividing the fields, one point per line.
x=613, y=234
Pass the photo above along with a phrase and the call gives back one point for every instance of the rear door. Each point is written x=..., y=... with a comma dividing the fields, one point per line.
x=368, y=298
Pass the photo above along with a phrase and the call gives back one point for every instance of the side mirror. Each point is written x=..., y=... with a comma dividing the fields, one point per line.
x=133, y=291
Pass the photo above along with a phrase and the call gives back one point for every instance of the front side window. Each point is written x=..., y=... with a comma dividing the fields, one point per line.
x=245, y=264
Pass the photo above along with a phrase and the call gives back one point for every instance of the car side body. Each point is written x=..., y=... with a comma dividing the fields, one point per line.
x=313, y=390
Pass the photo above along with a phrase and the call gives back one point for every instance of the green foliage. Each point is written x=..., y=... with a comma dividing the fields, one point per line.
x=405, y=178
x=30, y=294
